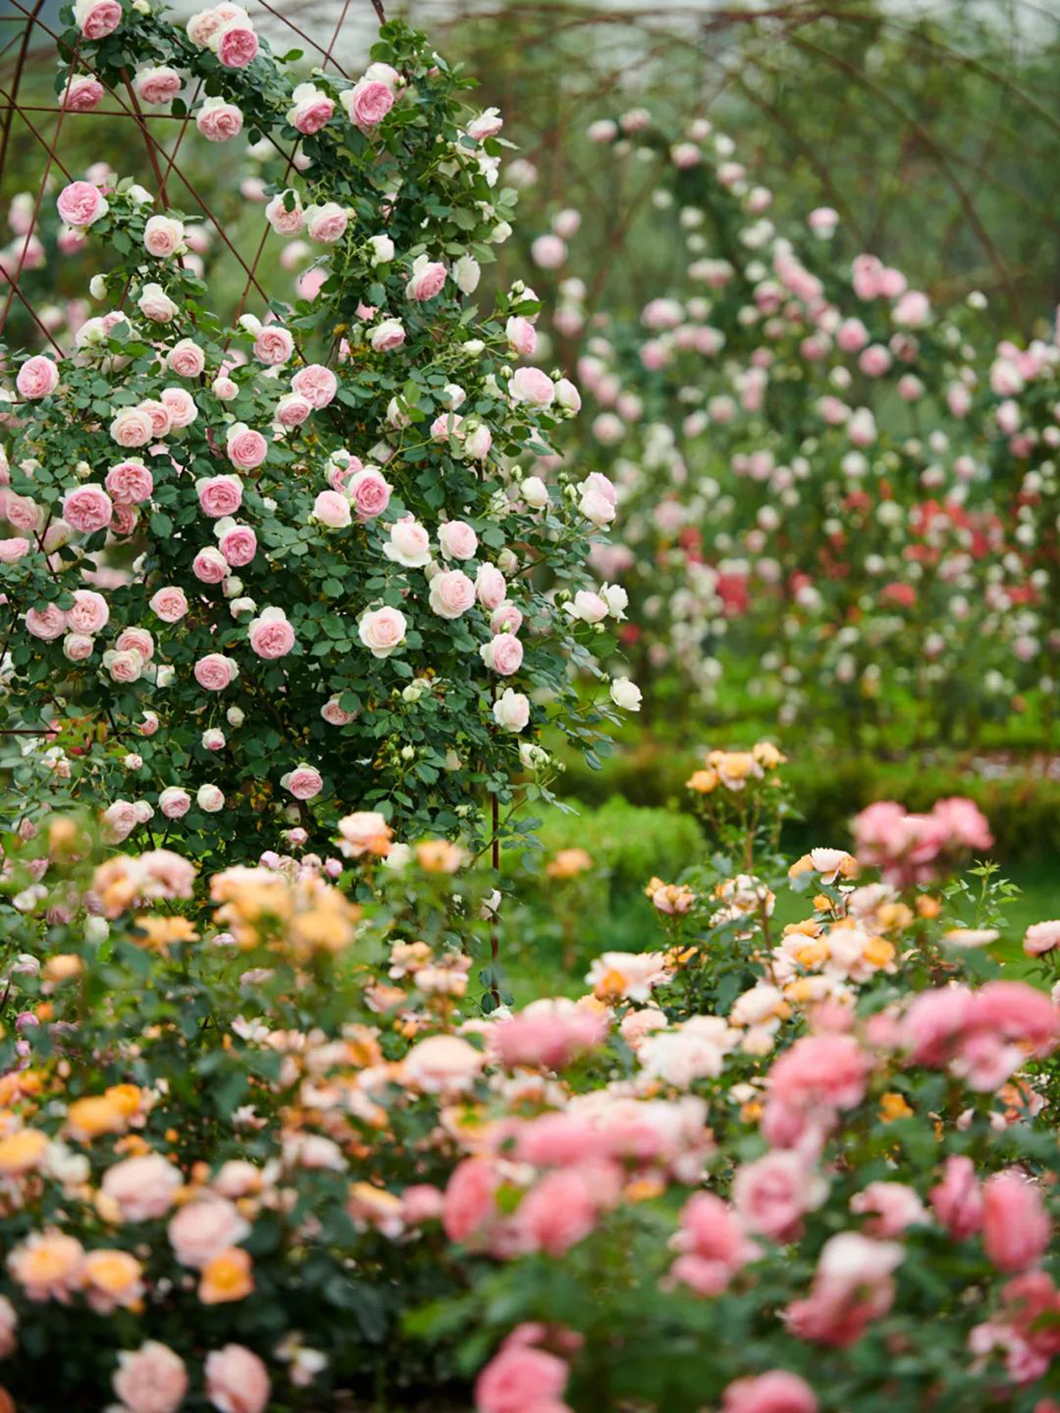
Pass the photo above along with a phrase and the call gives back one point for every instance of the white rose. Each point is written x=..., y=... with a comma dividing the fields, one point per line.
x=626, y=694
x=467, y=272
x=512, y=710
x=534, y=491
x=210, y=799
x=382, y=249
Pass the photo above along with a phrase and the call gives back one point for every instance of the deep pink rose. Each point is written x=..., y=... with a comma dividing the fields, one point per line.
x=237, y=45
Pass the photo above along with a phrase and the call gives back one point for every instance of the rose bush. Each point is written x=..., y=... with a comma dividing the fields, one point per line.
x=313, y=570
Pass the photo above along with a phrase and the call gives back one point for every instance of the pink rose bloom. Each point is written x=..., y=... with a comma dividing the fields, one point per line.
x=219, y=121
x=469, y=1202
x=38, y=376
x=457, y=540
x=428, y=277
x=332, y=509
x=548, y=252
x=304, y=782
x=236, y=1380
x=532, y=386
x=246, y=448
x=124, y=666
x=712, y=1243
x=82, y=94
x=1016, y=1226
x=317, y=384
x=271, y=635
x=545, y=1036
x=174, y=802
x=180, y=405
x=367, y=103
x=220, y=495
x=132, y=426
x=158, y=85
x=410, y=544
x=821, y=1070
x=521, y=336
x=170, y=604
x=775, y=1392
x=326, y=223
x=957, y=1200
x=204, y=1227
x=97, y=18
x=1041, y=937
x=285, y=220
x=382, y=630
x=143, y=1188
x=186, y=359
x=292, y=410
x=273, y=346
x=13, y=549
x=215, y=672
x=506, y=618
x=77, y=647
x=87, y=509
x=558, y=1211
x=503, y=654
x=772, y=1194
x=22, y=512
x=518, y=1379
x=151, y=1379
x=388, y=335
x=334, y=715
x=312, y=109
x=892, y=1207
x=210, y=566
x=81, y=203
x=159, y=415
x=46, y=623
x=236, y=44
x=129, y=483
x=90, y=613
x=964, y=822
x=136, y=640
x=239, y=545
x=451, y=593
x=490, y=586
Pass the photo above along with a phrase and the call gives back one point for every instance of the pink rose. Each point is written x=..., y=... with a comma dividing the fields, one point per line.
x=428, y=277
x=210, y=566
x=246, y=448
x=143, y=1188
x=219, y=121
x=304, y=782
x=89, y=614
x=13, y=549
x=87, y=509
x=186, y=359
x=316, y=384
x=369, y=492
x=490, y=586
x=239, y=545
x=518, y=1379
x=151, y=1379
x=334, y=715
x=82, y=94
x=457, y=540
x=451, y=594
x=220, y=495
x=771, y=1194
x=521, y=336
x=81, y=203
x=174, y=802
x=891, y=1207
x=1016, y=1226
x=558, y=1211
x=506, y=618
x=135, y=639
x=180, y=405
x=503, y=653
x=312, y=109
x=285, y=219
x=97, y=18
x=132, y=426
x=410, y=544
x=158, y=86
x=388, y=335
x=326, y=223
x=129, y=483
x=203, y=1227
x=367, y=103
x=236, y=1380
x=292, y=410
x=470, y=1199
x=332, y=509
x=170, y=604
x=22, y=512
x=531, y=385
x=236, y=44
x=47, y=623
x=775, y=1392
x=123, y=666
x=38, y=377
x=159, y=415
x=273, y=346
x=78, y=647
x=215, y=672
x=271, y=635
x=120, y=819
x=382, y=630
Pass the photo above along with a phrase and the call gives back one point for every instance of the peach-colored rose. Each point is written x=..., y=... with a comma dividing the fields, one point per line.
x=151, y=1379
x=142, y=1187
x=236, y=1380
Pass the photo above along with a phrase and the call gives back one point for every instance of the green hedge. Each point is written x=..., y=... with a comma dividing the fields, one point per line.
x=1022, y=805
